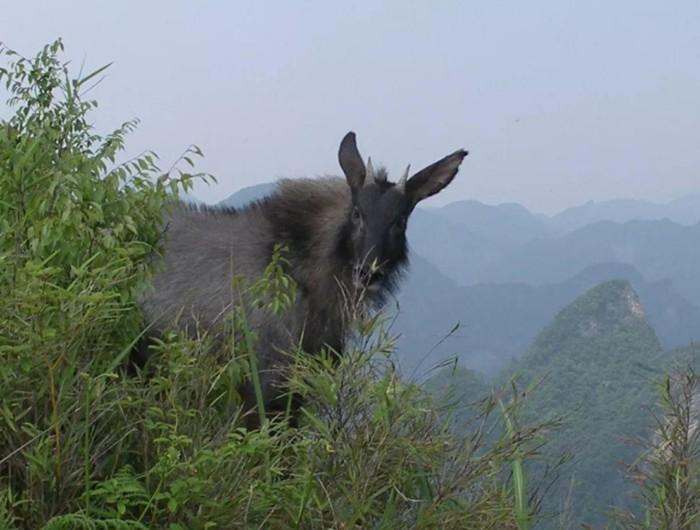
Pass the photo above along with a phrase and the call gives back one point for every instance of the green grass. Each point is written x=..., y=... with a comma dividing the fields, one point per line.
x=522, y=510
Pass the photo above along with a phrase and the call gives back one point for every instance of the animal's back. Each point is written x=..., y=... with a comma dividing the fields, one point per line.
x=204, y=248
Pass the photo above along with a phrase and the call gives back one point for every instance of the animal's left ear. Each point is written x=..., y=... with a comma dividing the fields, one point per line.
x=434, y=178
x=351, y=162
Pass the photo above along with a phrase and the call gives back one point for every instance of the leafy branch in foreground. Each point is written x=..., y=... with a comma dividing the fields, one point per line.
x=669, y=473
x=77, y=230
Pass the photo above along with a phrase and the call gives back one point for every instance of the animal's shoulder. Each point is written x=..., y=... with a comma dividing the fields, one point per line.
x=323, y=191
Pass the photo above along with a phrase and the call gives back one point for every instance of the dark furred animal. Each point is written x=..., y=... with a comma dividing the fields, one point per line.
x=343, y=236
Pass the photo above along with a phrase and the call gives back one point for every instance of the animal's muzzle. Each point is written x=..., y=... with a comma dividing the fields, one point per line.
x=370, y=276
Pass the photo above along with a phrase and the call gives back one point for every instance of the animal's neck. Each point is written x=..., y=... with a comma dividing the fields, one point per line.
x=325, y=263
x=308, y=218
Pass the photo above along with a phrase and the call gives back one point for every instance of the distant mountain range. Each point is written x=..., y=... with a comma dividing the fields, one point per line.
x=247, y=194
x=499, y=321
x=509, y=224
x=474, y=244
x=658, y=249
x=513, y=223
x=685, y=211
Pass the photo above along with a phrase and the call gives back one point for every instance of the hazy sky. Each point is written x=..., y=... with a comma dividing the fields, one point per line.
x=557, y=101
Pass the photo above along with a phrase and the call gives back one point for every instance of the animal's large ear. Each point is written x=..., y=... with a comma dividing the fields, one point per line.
x=351, y=162
x=434, y=178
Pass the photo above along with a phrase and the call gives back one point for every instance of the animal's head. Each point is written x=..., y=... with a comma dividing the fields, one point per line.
x=376, y=228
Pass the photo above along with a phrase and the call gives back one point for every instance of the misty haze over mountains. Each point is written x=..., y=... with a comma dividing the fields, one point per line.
x=503, y=272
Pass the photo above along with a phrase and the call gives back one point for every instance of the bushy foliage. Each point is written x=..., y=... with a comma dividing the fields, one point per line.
x=669, y=471
x=76, y=234
x=83, y=444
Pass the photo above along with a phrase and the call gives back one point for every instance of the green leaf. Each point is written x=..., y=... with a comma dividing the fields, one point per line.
x=97, y=72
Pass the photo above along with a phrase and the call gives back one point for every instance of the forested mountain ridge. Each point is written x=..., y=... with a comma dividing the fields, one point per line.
x=498, y=322
x=508, y=223
x=593, y=362
x=685, y=211
x=596, y=365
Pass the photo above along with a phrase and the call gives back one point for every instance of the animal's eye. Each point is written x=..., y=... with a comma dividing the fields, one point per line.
x=356, y=215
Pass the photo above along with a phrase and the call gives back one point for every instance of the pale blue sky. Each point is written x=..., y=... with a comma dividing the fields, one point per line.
x=557, y=101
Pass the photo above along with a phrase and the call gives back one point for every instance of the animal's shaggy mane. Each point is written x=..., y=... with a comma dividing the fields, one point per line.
x=309, y=216
x=319, y=190
x=209, y=209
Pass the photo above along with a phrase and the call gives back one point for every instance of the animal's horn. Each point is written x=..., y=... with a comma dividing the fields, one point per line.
x=369, y=177
x=401, y=184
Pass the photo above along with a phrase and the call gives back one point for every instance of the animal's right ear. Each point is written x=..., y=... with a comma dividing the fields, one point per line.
x=351, y=162
x=430, y=180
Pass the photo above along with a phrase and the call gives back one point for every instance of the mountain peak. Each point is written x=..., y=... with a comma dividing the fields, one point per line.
x=589, y=357
x=608, y=308
x=616, y=299
x=610, y=311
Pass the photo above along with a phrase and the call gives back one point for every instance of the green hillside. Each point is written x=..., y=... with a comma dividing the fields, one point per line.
x=596, y=365
x=591, y=360
x=687, y=357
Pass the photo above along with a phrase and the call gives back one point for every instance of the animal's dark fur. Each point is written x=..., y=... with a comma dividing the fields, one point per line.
x=334, y=230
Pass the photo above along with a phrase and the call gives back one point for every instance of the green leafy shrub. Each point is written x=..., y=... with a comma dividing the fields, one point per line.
x=77, y=232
